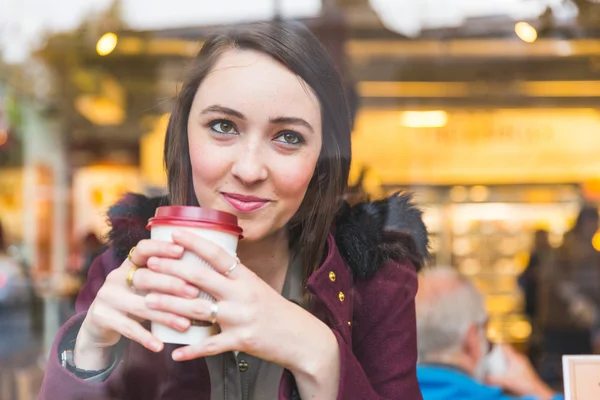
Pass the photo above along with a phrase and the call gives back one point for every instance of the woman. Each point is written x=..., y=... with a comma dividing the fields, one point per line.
x=261, y=130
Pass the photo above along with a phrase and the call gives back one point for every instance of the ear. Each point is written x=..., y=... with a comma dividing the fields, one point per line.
x=472, y=344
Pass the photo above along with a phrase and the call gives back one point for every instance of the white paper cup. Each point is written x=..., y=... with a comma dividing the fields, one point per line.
x=216, y=226
x=496, y=361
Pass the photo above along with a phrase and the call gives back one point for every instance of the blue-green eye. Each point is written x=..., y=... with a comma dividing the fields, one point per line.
x=223, y=126
x=289, y=137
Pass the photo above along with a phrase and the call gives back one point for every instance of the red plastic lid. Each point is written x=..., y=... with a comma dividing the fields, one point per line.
x=195, y=217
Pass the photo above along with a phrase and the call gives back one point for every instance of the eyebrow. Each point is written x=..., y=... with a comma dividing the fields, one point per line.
x=292, y=121
x=278, y=120
x=224, y=110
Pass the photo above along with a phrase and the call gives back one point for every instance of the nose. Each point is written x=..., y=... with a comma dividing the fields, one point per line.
x=250, y=166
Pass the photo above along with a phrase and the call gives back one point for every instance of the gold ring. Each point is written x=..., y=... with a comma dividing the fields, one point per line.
x=214, y=309
x=130, y=274
x=129, y=256
x=234, y=266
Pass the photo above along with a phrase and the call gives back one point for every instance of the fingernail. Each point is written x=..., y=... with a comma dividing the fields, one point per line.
x=156, y=345
x=177, y=355
x=176, y=234
x=182, y=323
x=176, y=249
x=151, y=300
x=191, y=291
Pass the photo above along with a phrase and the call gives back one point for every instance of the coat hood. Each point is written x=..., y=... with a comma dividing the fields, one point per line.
x=367, y=234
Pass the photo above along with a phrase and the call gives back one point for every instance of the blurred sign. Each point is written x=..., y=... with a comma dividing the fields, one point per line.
x=492, y=147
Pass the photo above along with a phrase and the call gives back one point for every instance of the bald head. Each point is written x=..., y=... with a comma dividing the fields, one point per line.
x=447, y=306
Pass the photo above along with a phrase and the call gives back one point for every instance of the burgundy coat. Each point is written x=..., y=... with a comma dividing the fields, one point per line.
x=374, y=321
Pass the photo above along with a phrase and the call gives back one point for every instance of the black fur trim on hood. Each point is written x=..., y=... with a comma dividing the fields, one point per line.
x=367, y=234
x=372, y=233
x=128, y=219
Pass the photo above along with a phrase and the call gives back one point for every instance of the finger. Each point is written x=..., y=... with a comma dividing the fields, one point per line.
x=198, y=309
x=135, y=305
x=192, y=272
x=109, y=318
x=148, y=280
x=207, y=250
x=211, y=346
x=147, y=248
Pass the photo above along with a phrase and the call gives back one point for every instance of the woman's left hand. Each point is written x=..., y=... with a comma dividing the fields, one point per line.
x=254, y=318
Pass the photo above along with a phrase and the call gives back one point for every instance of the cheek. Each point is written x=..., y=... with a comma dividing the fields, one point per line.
x=208, y=167
x=292, y=180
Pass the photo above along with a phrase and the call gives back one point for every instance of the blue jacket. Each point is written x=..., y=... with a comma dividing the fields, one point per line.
x=445, y=383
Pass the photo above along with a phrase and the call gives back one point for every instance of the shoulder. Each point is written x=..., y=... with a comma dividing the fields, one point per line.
x=386, y=235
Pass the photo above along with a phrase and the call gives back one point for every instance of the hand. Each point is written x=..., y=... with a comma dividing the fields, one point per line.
x=520, y=377
x=253, y=317
x=118, y=310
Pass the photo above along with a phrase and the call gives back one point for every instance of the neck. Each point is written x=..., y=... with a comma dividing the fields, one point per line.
x=268, y=258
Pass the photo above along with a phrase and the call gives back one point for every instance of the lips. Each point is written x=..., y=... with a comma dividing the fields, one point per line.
x=244, y=203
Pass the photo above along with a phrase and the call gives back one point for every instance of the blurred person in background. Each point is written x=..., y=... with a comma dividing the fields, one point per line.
x=260, y=129
x=530, y=282
x=92, y=248
x=14, y=283
x=17, y=335
x=529, y=279
x=453, y=349
x=76, y=275
x=571, y=297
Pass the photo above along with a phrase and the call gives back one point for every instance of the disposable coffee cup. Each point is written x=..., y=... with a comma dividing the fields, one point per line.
x=217, y=226
x=496, y=361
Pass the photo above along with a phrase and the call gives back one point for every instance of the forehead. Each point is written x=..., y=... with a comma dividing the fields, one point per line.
x=247, y=79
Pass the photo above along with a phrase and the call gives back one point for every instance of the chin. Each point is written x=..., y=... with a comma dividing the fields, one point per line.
x=255, y=233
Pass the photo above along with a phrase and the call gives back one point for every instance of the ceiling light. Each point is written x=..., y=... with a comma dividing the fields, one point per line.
x=424, y=119
x=106, y=44
x=526, y=32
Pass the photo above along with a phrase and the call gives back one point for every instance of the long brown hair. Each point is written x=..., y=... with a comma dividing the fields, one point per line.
x=299, y=50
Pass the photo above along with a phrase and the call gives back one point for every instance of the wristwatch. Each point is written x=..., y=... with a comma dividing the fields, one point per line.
x=66, y=360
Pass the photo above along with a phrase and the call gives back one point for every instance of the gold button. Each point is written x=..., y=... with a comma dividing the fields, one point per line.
x=349, y=323
x=341, y=296
x=332, y=276
x=243, y=366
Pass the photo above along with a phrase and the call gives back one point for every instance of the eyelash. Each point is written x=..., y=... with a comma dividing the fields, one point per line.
x=298, y=136
x=212, y=125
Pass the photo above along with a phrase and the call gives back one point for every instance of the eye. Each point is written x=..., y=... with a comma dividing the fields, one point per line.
x=223, y=126
x=288, y=137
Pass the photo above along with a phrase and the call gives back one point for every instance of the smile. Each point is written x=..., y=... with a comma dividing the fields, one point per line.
x=245, y=203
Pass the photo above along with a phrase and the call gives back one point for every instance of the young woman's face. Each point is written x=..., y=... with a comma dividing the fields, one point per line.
x=254, y=134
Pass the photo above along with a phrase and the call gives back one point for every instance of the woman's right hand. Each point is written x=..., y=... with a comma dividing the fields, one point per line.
x=118, y=310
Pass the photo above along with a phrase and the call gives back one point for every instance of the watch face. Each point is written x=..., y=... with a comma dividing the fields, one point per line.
x=66, y=358
x=581, y=377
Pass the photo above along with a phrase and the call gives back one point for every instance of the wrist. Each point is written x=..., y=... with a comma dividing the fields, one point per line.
x=88, y=356
x=544, y=392
x=319, y=358
x=535, y=387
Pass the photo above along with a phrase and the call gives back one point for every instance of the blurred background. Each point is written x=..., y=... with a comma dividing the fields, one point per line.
x=487, y=110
